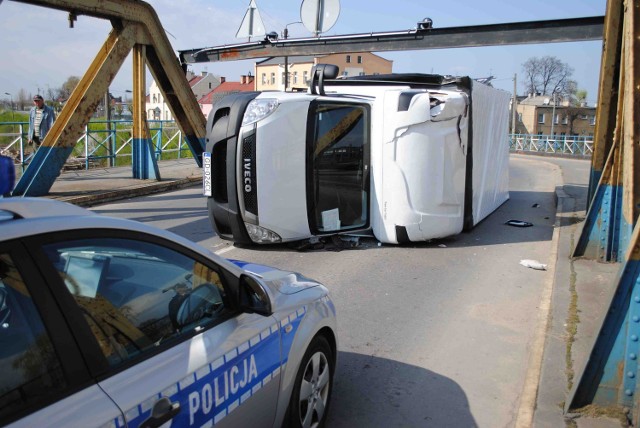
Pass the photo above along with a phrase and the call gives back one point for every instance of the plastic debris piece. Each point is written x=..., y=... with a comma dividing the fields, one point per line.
x=442, y=246
x=533, y=264
x=519, y=223
x=535, y=205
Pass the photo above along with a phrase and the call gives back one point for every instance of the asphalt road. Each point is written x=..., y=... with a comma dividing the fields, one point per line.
x=435, y=334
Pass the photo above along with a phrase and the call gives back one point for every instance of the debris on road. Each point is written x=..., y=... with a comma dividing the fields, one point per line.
x=519, y=223
x=533, y=264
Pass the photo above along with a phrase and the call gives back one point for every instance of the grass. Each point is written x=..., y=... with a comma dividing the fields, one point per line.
x=572, y=318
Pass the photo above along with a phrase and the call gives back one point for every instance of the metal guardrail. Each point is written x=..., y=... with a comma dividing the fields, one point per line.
x=548, y=144
x=103, y=143
x=108, y=143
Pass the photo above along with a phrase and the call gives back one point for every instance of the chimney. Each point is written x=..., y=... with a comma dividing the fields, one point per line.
x=243, y=80
x=249, y=79
x=204, y=74
x=222, y=79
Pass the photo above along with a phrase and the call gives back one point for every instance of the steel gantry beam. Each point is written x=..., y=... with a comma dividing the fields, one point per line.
x=135, y=25
x=531, y=32
x=611, y=372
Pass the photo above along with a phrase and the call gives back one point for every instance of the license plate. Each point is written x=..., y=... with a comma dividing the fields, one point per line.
x=206, y=174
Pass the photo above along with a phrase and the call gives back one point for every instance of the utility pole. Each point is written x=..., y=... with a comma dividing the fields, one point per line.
x=285, y=35
x=107, y=110
x=553, y=114
x=514, y=104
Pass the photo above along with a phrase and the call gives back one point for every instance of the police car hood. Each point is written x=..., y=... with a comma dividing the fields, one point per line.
x=285, y=282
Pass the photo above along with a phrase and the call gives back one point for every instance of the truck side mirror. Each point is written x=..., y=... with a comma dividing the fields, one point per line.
x=319, y=72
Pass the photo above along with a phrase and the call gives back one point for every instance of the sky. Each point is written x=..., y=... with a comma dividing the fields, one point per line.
x=40, y=51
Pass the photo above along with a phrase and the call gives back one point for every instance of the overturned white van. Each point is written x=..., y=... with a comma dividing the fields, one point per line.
x=406, y=157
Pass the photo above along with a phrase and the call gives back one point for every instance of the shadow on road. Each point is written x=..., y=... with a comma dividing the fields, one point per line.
x=376, y=392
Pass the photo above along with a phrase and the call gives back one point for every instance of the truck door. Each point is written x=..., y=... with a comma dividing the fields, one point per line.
x=338, y=144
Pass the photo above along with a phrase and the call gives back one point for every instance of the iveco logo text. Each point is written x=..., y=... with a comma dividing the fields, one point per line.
x=247, y=176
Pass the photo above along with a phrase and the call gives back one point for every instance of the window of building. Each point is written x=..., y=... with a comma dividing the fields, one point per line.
x=565, y=119
x=592, y=120
x=348, y=59
x=273, y=78
x=155, y=98
x=359, y=59
x=295, y=77
x=305, y=77
x=556, y=119
x=264, y=78
x=209, y=85
x=540, y=117
x=282, y=78
x=520, y=117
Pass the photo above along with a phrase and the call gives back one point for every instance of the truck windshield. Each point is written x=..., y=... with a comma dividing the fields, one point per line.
x=338, y=167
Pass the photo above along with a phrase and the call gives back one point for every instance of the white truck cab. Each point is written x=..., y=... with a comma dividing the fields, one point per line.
x=405, y=157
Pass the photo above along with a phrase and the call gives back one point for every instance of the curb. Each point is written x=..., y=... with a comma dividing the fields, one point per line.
x=529, y=397
x=116, y=195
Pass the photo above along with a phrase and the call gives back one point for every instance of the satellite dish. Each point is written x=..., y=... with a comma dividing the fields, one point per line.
x=252, y=24
x=319, y=15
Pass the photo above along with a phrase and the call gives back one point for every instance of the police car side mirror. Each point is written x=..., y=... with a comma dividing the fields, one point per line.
x=253, y=297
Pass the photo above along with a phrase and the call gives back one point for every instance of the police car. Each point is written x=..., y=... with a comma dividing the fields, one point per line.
x=111, y=323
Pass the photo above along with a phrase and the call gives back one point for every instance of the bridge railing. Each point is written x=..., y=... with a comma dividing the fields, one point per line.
x=103, y=143
x=108, y=143
x=551, y=144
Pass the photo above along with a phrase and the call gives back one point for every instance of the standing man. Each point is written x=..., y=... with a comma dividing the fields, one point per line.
x=41, y=119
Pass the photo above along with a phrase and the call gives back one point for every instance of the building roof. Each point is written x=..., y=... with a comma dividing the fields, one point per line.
x=195, y=80
x=227, y=88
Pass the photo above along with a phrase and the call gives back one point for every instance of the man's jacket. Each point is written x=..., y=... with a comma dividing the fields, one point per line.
x=48, y=116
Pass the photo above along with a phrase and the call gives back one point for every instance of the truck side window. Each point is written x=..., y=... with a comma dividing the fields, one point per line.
x=339, y=167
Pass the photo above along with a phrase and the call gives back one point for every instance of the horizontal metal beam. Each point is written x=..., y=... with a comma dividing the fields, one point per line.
x=530, y=32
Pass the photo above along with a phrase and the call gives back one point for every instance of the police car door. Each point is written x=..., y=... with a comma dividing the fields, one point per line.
x=177, y=351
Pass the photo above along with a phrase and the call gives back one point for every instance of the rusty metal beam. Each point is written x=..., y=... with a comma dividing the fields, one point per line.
x=611, y=372
x=531, y=32
x=148, y=32
x=607, y=92
x=49, y=159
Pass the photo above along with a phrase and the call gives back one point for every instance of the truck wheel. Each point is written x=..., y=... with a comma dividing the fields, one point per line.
x=312, y=390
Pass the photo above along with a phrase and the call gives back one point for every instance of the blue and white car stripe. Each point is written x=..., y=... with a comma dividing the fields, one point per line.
x=215, y=390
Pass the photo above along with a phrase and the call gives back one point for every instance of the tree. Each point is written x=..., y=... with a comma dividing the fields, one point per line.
x=68, y=86
x=547, y=76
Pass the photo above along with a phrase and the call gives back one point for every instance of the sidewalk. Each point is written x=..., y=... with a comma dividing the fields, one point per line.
x=579, y=302
x=100, y=185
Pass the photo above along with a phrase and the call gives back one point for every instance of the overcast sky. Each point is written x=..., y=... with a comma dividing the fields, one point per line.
x=39, y=50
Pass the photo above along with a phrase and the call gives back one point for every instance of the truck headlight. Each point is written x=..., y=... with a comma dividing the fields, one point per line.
x=258, y=109
x=261, y=235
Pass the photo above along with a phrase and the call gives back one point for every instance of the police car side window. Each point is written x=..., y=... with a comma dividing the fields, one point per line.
x=30, y=368
x=137, y=295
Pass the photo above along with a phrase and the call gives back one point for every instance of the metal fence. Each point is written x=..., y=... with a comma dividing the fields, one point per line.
x=108, y=143
x=103, y=143
x=551, y=144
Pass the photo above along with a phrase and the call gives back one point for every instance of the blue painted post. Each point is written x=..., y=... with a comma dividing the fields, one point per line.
x=144, y=162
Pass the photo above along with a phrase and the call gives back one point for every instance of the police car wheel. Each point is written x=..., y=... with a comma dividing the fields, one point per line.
x=310, y=399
